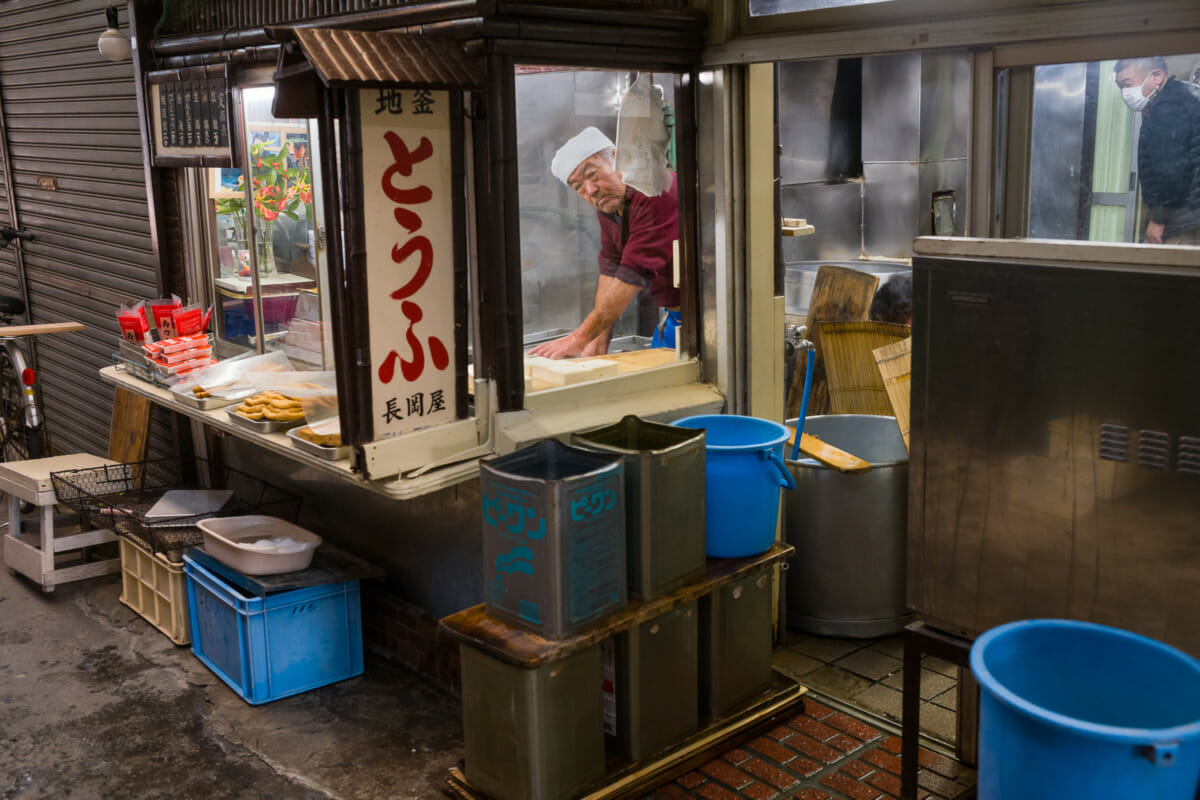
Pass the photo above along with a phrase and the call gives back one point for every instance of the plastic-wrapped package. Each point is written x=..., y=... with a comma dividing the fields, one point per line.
x=642, y=137
x=234, y=377
x=316, y=391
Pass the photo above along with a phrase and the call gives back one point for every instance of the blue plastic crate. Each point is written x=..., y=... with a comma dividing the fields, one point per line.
x=270, y=647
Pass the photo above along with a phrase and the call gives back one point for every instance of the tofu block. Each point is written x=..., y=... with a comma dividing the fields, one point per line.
x=532, y=361
x=565, y=373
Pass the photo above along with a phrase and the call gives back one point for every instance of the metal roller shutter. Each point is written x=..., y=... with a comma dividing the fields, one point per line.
x=78, y=184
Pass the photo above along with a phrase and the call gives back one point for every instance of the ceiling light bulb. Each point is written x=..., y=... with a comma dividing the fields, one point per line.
x=113, y=45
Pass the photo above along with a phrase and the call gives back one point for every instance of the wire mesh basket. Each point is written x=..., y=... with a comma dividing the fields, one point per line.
x=118, y=497
x=135, y=364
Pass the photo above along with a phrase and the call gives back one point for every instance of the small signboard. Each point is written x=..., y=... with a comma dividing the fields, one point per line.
x=190, y=121
x=409, y=233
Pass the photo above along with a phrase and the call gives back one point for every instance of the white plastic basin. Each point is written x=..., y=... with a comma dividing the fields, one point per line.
x=256, y=544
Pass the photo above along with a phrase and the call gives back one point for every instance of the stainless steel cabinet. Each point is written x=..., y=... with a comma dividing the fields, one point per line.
x=1055, y=465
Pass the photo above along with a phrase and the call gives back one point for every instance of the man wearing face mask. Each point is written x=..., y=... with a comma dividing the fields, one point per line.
x=1168, y=148
x=636, y=235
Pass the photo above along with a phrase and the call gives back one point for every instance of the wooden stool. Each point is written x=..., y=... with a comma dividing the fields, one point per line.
x=32, y=552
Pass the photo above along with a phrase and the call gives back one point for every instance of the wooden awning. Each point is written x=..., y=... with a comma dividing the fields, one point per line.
x=345, y=58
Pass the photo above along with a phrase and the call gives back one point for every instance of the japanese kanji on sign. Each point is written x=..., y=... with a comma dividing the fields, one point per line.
x=407, y=215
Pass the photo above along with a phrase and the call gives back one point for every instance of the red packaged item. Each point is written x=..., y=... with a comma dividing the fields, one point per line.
x=188, y=320
x=181, y=343
x=164, y=316
x=184, y=367
x=180, y=357
x=133, y=322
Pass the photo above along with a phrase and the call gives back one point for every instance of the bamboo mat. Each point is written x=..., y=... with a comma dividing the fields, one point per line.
x=895, y=367
x=855, y=385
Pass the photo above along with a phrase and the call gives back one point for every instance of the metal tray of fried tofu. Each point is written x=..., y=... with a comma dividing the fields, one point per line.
x=328, y=452
x=261, y=425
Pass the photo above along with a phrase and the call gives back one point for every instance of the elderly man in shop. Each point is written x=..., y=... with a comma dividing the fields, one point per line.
x=636, y=235
x=1168, y=148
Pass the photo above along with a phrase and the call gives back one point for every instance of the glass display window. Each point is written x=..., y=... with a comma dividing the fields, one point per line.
x=267, y=262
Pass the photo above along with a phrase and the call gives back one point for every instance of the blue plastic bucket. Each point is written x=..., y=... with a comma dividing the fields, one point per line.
x=1074, y=709
x=743, y=473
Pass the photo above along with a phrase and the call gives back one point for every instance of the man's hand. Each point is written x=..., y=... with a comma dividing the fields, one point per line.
x=1154, y=232
x=559, y=348
x=599, y=345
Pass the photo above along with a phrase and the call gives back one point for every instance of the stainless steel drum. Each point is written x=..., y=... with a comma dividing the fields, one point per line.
x=847, y=575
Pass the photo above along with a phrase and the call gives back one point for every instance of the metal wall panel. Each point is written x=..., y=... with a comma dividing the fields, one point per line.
x=835, y=210
x=891, y=107
x=71, y=118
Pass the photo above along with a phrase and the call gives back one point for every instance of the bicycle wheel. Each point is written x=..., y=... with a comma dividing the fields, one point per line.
x=17, y=441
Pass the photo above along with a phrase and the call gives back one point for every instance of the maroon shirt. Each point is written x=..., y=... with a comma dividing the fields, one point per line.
x=635, y=248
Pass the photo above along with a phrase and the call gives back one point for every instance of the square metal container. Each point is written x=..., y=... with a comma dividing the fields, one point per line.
x=553, y=537
x=325, y=451
x=656, y=683
x=664, y=501
x=532, y=734
x=735, y=644
x=261, y=425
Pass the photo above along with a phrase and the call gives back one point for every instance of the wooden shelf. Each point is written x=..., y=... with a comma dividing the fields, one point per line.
x=632, y=780
x=527, y=650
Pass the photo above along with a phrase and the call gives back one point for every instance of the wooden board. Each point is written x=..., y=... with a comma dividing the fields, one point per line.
x=637, y=779
x=528, y=650
x=629, y=361
x=34, y=330
x=895, y=367
x=841, y=295
x=129, y=432
x=827, y=454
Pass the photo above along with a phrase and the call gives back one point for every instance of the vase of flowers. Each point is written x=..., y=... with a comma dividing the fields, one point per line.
x=276, y=189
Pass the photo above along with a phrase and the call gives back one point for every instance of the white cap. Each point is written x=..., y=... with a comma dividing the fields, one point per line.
x=585, y=144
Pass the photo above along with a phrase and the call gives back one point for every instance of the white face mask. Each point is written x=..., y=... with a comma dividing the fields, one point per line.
x=1133, y=97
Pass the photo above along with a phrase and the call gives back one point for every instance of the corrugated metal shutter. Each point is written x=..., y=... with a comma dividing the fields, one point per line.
x=72, y=117
x=192, y=16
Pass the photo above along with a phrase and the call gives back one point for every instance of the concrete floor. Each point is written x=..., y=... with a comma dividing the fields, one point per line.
x=96, y=703
x=868, y=674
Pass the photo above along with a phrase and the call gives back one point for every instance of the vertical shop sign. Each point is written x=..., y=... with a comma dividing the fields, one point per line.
x=407, y=218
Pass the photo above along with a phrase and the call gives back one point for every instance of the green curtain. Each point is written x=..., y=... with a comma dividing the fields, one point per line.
x=1110, y=169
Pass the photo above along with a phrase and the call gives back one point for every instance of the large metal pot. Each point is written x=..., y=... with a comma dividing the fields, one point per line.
x=801, y=276
x=847, y=575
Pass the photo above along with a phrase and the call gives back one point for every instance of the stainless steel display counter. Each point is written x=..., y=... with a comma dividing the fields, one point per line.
x=279, y=442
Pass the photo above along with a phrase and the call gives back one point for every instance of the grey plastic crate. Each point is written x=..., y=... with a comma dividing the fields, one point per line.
x=656, y=683
x=553, y=537
x=532, y=734
x=664, y=501
x=735, y=644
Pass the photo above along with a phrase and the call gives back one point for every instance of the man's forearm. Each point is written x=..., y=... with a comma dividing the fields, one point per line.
x=612, y=296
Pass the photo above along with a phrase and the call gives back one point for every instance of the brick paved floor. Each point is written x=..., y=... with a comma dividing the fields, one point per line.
x=818, y=754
